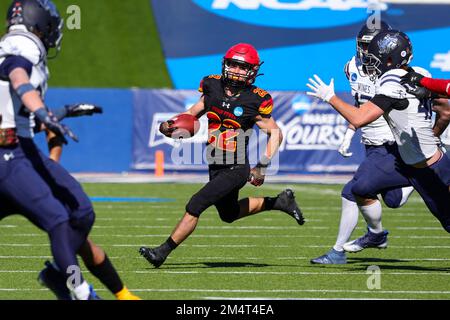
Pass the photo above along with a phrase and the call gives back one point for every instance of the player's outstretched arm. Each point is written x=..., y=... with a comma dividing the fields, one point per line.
x=412, y=80
x=198, y=108
x=358, y=117
x=31, y=99
x=442, y=109
x=76, y=110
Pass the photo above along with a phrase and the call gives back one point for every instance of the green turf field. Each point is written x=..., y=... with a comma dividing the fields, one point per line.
x=264, y=256
x=117, y=46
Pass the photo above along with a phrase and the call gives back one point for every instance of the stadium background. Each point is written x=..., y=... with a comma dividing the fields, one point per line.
x=130, y=57
x=122, y=54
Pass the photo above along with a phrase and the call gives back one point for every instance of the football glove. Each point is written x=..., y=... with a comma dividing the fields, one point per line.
x=257, y=176
x=412, y=78
x=320, y=89
x=82, y=109
x=166, y=128
x=52, y=124
x=343, y=149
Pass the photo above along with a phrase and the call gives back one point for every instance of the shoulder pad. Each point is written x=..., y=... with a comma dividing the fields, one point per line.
x=422, y=71
x=24, y=44
x=260, y=92
x=215, y=76
x=209, y=81
x=389, y=85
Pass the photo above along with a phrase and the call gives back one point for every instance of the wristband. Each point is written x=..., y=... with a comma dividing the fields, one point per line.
x=41, y=114
x=24, y=88
x=264, y=162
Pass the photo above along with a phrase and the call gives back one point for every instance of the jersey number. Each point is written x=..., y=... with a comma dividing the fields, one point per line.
x=225, y=139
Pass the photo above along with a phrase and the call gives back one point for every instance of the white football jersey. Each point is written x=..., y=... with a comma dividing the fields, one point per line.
x=19, y=42
x=377, y=132
x=413, y=126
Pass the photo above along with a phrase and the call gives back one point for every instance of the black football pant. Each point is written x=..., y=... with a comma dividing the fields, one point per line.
x=222, y=190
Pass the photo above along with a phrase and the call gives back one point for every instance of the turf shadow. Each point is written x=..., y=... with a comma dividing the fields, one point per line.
x=200, y=265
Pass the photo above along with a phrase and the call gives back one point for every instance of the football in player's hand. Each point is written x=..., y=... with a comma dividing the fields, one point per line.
x=186, y=126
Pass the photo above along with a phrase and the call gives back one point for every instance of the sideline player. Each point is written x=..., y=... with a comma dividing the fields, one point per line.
x=420, y=159
x=30, y=183
x=233, y=106
x=94, y=257
x=371, y=174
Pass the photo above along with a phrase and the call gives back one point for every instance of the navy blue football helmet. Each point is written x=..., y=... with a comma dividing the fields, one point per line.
x=366, y=34
x=388, y=50
x=39, y=17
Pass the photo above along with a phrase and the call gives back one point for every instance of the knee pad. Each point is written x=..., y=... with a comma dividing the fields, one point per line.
x=393, y=198
x=362, y=188
x=84, y=224
x=193, y=207
x=228, y=213
x=347, y=191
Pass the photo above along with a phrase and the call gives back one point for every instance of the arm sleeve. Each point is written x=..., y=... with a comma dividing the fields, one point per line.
x=13, y=62
x=437, y=85
x=386, y=103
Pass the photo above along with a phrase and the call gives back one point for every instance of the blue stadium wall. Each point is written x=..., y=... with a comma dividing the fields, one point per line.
x=126, y=137
x=295, y=38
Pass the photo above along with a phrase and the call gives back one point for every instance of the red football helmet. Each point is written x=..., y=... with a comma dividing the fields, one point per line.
x=246, y=56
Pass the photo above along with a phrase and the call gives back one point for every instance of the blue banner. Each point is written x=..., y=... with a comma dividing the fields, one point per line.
x=105, y=139
x=295, y=38
x=312, y=132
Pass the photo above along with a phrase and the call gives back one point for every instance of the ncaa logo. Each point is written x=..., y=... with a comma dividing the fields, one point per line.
x=292, y=13
x=238, y=111
x=354, y=76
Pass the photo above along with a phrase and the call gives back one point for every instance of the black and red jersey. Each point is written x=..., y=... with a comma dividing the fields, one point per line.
x=231, y=118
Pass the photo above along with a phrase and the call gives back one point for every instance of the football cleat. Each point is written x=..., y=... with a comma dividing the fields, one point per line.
x=125, y=294
x=152, y=256
x=92, y=294
x=55, y=281
x=288, y=204
x=331, y=257
x=369, y=240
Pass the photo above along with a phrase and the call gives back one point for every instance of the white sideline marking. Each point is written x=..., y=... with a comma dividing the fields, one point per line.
x=305, y=298
x=222, y=246
x=288, y=273
x=214, y=227
x=223, y=258
x=258, y=291
x=225, y=236
x=258, y=273
x=291, y=291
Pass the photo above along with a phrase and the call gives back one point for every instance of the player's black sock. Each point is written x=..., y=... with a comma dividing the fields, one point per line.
x=271, y=203
x=166, y=248
x=108, y=275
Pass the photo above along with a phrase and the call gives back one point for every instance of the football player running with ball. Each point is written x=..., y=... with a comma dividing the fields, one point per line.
x=233, y=106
